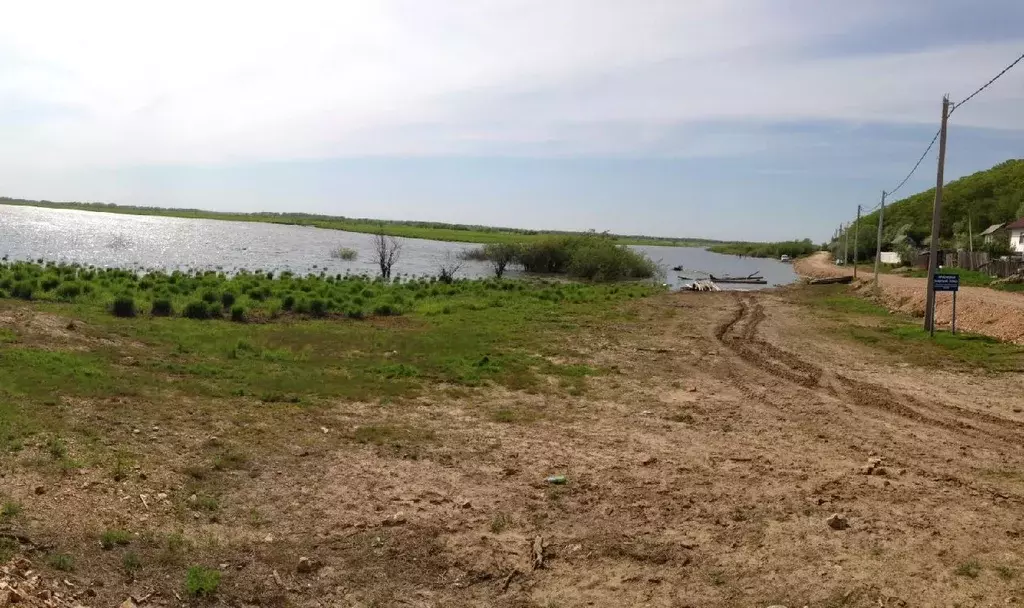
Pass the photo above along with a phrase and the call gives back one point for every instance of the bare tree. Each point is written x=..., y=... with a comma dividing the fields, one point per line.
x=387, y=250
x=450, y=265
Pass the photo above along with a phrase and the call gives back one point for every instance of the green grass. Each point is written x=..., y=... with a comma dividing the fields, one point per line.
x=9, y=510
x=61, y=561
x=970, y=569
x=201, y=582
x=793, y=249
x=113, y=538
x=410, y=229
x=462, y=336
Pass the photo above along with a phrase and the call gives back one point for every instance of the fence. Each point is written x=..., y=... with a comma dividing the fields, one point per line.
x=980, y=261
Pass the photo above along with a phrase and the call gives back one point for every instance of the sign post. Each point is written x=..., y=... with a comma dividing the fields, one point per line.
x=945, y=282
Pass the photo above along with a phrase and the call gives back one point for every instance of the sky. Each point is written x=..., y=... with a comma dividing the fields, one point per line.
x=726, y=119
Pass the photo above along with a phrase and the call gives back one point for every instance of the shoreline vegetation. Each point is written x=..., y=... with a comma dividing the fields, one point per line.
x=261, y=296
x=437, y=231
x=793, y=249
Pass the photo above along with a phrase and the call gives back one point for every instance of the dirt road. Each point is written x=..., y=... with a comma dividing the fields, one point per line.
x=980, y=310
x=702, y=469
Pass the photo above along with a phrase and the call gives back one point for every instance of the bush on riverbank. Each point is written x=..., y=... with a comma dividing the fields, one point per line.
x=595, y=257
x=260, y=296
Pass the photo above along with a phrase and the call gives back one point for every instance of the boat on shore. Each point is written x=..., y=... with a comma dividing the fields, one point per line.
x=753, y=279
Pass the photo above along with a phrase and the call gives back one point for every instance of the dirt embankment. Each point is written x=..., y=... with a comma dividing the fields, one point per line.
x=978, y=309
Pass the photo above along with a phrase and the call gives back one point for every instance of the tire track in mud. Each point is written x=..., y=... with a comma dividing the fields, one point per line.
x=777, y=362
x=739, y=333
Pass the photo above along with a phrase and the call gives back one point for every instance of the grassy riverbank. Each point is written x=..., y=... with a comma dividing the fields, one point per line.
x=793, y=249
x=437, y=231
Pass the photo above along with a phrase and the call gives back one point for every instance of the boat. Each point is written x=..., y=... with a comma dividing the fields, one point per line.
x=784, y=258
x=677, y=268
x=748, y=280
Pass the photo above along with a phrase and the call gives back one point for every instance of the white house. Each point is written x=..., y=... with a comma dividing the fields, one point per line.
x=890, y=257
x=1016, y=230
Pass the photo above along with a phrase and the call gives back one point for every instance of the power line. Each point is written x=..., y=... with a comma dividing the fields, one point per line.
x=986, y=85
x=916, y=165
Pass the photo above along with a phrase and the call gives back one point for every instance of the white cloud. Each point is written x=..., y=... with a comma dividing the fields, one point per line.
x=219, y=81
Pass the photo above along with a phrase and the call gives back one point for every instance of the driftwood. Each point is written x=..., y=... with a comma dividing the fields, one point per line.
x=703, y=285
x=508, y=580
x=832, y=281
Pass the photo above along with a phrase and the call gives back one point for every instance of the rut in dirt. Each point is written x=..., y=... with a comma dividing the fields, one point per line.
x=739, y=333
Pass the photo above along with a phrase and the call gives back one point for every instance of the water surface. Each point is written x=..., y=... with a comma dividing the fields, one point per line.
x=169, y=243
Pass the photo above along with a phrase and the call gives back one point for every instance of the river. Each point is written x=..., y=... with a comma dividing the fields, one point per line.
x=153, y=242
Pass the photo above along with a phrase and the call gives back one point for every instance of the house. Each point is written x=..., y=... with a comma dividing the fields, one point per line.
x=1016, y=230
x=994, y=233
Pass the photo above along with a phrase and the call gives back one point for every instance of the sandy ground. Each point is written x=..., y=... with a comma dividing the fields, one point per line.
x=980, y=310
x=702, y=470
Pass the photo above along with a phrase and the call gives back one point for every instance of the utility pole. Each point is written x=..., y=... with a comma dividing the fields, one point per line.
x=933, y=253
x=856, y=237
x=970, y=236
x=878, y=245
x=846, y=247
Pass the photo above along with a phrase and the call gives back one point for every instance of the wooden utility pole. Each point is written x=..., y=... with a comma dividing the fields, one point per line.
x=846, y=247
x=878, y=245
x=933, y=253
x=856, y=237
x=970, y=236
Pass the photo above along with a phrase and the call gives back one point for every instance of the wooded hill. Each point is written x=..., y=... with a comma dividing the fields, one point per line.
x=969, y=204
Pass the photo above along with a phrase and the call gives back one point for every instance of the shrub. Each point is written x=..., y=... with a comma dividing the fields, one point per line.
x=123, y=306
x=354, y=313
x=209, y=297
x=500, y=255
x=385, y=310
x=69, y=291
x=201, y=582
x=603, y=260
x=301, y=306
x=23, y=290
x=317, y=307
x=196, y=309
x=344, y=253
x=214, y=309
x=227, y=299
x=288, y=302
x=162, y=307
x=549, y=255
x=49, y=282
x=238, y=313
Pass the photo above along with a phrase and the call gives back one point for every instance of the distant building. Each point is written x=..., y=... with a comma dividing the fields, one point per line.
x=890, y=257
x=994, y=233
x=1016, y=230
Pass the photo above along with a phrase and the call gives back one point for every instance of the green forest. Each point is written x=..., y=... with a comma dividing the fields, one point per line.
x=969, y=205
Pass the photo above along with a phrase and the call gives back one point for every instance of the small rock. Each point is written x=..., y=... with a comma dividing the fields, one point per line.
x=395, y=520
x=39, y=490
x=193, y=498
x=161, y=496
x=1016, y=410
x=128, y=603
x=776, y=606
x=880, y=471
x=305, y=566
x=837, y=522
x=465, y=504
x=135, y=432
x=692, y=389
x=646, y=460
x=269, y=538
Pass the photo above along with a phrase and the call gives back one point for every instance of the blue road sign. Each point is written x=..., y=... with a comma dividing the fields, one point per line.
x=947, y=282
